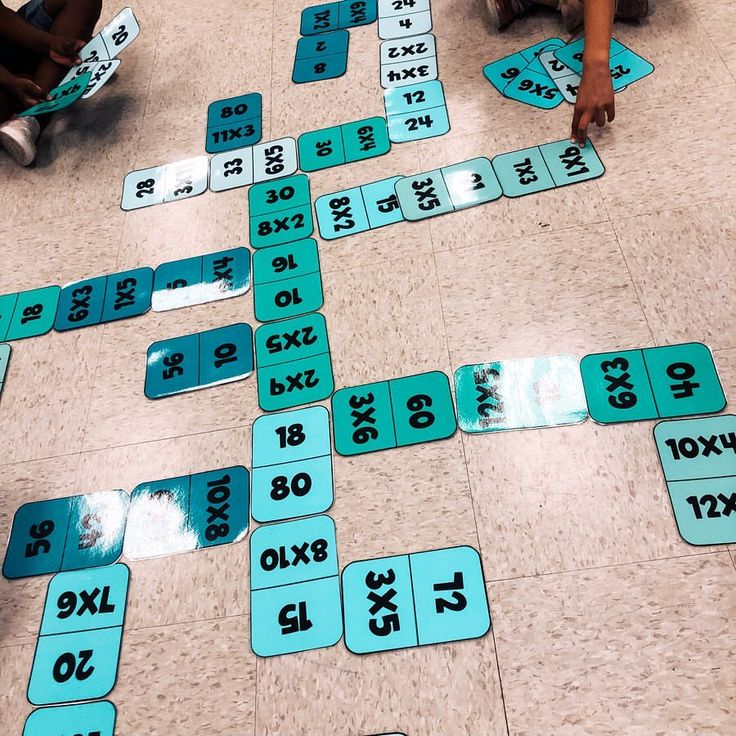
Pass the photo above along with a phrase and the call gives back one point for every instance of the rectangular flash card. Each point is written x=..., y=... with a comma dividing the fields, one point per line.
x=187, y=513
x=520, y=394
x=245, y=166
x=416, y=112
x=414, y=600
x=320, y=19
x=698, y=459
x=104, y=299
x=395, y=413
x=402, y=18
x=626, y=66
x=201, y=279
x=78, y=647
x=358, y=209
x=292, y=464
x=62, y=96
x=167, y=183
x=28, y=313
x=116, y=36
x=448, y=189
x=668, y=381
x=100, y=73
x=280, y=212
x=294, y=365
x=408, y=61
x=321, y=57
x=88, y=718
x=341, y=144
x=295, y=587
x=71, y=533
x=234, y=123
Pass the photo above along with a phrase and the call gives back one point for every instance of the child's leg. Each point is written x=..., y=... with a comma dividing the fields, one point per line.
x=71, y=19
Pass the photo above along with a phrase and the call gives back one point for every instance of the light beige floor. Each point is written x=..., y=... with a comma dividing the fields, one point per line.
x=605, y=622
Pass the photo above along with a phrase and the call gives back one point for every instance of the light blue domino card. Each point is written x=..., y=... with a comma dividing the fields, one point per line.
x=89, y=719
x=127, y=294
x=535, y=89
x=705, y=510
x=500, y=73
x=532, y=52
x=293, y=552
x=684, y=380
x=291, y=490
x=571, y=54
x=172, y=366
x=696, y=449
x=378, y=605
x=186, y=178
x=158, y=519
x=569, y=163
x=77, y=666
x=5, y=351
x=80, y=304
x=84, y=600
x=428, y=123
x=381, y=203
x=218, y=506
x=96, y=529
x=522, y=172
x=628, y=67
x=413, y=98
x=295, y=618
x=449, y=595
x=341, y=213
x=471, y=183
x=225, y=354
x=37, y=537
x=290, y=436
x=423, y=195
x=143, y=188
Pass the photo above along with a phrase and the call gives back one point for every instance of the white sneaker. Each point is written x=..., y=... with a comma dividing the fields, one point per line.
x=18, y=137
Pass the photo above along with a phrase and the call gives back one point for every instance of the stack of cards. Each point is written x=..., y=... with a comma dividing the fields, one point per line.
x=343, y=144
x=28, y=313
x=166, y=183
x=78, y=647
x=294, y=365
x=699, y=462
x=288, y=282
x=234, y=123
x=396, y=413
x=201, y=279
x=345, y=14
x=323, y=57
x=414, y=600
x=69, y=533
x=104, y=299
x=356, y=210
x=187, y=513
x=408, y=61
x=244, y=166
x=668, y=381
x=292, y=464
x=401, y=18
x=204, y=359
x=416, y=112
x=280, y=212
x=520, y=394
x=448, y=189
x=295, y=587
x=60, y=97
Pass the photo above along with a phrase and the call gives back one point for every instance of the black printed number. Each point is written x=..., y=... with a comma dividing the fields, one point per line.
x=299, y=486
x=173, y=365
x=420, y=417
x=144, y=187
x=458, y=602
x=67, y=666
x=293, y=435
x=39, y=532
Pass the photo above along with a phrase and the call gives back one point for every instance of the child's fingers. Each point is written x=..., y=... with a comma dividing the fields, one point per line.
x=611, y=111
x=582, y=129
x=575, y=122
x=600, y=117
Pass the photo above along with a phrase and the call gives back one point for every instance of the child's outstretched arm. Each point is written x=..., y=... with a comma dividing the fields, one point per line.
x=595, y=95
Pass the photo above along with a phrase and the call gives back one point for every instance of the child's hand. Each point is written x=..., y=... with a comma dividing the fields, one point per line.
x=65, y=51
x=594, y=102
x=28, y=93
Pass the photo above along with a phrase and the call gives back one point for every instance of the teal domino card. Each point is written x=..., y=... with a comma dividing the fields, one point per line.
x=662, y=382
x=362, y=419
x=292, y=465
x=60, y=97
x=321, y=149
x=188, y=512
x=283, y=262
x=201, y=279
x=295, y=382
x=235, y=122
x=428, y=123
x=90, y=719
x=471, y=183
x=499, y=73
x=698, y=458
x=28, y=313
x=346, y=143
x=293, y=339
x=69, y=533
x=535, y=89
x=524, y=393
x=414, y=600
